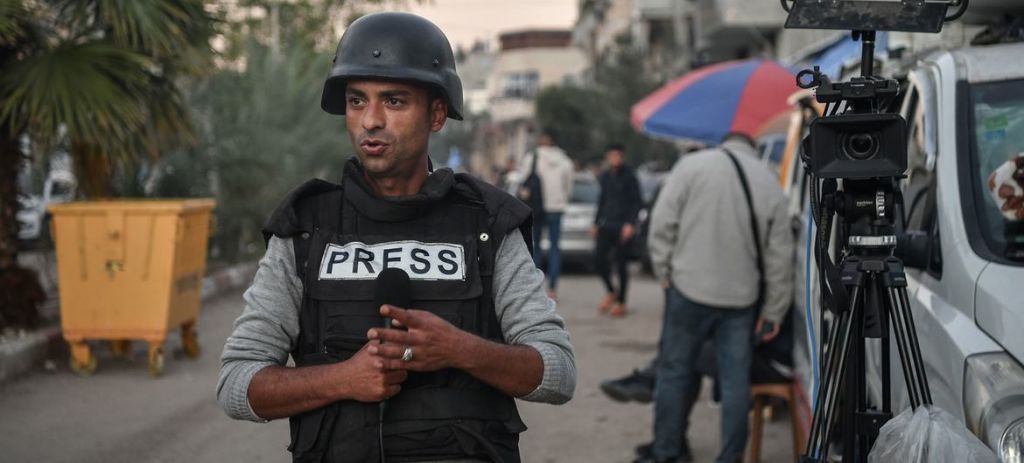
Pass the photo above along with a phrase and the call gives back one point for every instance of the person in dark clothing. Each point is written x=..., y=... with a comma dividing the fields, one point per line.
x=772, y=363
x=615, y=226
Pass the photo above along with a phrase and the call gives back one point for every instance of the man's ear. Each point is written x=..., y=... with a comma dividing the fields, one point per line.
x=438, y=114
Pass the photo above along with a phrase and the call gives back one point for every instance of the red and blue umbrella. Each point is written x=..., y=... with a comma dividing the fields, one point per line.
x=711, y=102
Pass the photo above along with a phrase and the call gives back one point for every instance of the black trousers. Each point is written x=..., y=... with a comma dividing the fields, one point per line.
x=609, y=245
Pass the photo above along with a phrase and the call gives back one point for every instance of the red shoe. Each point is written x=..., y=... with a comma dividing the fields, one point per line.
x=606, y=304
x=618, y=310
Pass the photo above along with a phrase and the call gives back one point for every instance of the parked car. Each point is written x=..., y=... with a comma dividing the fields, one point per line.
x=576, y=244
x=965, y=115
x=33, y=218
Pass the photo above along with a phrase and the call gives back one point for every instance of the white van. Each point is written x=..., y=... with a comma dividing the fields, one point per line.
x=965, y=116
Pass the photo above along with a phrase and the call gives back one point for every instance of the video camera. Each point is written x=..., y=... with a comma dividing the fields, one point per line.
x=864, y=142
x=860, y=144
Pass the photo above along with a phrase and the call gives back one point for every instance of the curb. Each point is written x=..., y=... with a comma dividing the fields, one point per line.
x=31, y=349
x=26, y=352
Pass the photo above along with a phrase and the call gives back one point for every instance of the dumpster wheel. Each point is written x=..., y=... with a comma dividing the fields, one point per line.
x=121, y=347
x=190, y=340
x=82, y=363
x=156, y=360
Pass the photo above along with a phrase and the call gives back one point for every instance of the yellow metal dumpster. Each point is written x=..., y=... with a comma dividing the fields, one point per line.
x=130, y=270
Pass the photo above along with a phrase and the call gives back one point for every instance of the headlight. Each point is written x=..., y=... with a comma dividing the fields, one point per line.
x=1011, y=446
x=994, y=403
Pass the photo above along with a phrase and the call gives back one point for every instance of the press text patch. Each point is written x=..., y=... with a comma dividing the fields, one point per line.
x=422, y=261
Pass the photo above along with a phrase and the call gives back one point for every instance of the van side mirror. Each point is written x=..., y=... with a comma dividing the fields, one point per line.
x=912, y=249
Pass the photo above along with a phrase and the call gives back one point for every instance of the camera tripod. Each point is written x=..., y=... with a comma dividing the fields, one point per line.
x=869, y=301
x=859, y=142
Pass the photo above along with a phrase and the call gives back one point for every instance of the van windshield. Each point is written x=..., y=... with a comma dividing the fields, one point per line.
x=997, y=158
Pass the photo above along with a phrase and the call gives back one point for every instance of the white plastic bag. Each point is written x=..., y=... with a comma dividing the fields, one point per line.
x=928, y=435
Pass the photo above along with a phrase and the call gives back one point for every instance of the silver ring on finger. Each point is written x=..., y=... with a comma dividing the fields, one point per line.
x=407, y=354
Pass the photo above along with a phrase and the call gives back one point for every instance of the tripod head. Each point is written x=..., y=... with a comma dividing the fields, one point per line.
x=858, y=89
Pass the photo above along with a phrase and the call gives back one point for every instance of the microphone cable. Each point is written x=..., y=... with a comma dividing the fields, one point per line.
x=391, y=287
x=381, y=407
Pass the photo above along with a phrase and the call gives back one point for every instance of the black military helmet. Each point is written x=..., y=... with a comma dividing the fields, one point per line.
x=399, y=46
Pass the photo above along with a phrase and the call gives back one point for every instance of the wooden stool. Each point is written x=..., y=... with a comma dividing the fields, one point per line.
x=784, y=391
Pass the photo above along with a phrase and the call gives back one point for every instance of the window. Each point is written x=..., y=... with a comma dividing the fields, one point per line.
x=585, y=191
x=520, y=84
x=997, y=138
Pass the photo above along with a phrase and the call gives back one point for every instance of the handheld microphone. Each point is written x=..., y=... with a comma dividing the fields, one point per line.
x=392, y=288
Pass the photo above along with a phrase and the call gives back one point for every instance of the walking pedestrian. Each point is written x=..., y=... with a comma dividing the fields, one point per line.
x=555, y=170
x=480, y=332
x=614, y=227
x=720, y=243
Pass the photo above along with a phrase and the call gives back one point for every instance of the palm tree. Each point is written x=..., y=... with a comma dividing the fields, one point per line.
x=98, y=76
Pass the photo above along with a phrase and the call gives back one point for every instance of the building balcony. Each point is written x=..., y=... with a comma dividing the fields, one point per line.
x=741, y=13
x=657, y=9
x=510, y=109
x=728, y=29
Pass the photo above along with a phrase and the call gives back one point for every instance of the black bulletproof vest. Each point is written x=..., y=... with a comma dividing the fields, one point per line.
x=346, y=238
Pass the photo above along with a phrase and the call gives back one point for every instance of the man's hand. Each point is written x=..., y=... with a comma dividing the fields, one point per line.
x=593, y=231
x=278, y=391
x=368, y=380
x=767, y=337
x=435, y=343
x=627, y=232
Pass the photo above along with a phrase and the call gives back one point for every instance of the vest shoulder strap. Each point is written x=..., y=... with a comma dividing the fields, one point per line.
x=296, y=216
x=505, y=212
x=285, y=222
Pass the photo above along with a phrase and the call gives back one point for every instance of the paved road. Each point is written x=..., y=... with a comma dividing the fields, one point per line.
x=122, y=415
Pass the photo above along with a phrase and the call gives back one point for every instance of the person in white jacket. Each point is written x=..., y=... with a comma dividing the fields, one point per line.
x=555, y=170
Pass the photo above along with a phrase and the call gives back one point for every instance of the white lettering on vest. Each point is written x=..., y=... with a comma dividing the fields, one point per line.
x=422, y=261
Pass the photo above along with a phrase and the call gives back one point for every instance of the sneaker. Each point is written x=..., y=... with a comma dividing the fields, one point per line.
x=645, y=453
x=618, y=310
x=636, y=387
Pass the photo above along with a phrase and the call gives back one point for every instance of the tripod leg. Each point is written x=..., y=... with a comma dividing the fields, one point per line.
x=825, y=412
x=902, y=340
x=886, y=372
x=915, y=345
x=832, y=341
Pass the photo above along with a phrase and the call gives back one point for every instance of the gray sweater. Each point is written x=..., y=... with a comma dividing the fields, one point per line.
x=700, y=236
x=268, y=328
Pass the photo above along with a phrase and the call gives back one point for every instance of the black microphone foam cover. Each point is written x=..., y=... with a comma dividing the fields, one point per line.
x=392, y=288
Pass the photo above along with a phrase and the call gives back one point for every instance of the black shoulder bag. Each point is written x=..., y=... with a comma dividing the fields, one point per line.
x=531, y=191
x=753, y=226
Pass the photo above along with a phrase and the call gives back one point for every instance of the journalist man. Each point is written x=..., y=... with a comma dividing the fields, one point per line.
x=479, y=331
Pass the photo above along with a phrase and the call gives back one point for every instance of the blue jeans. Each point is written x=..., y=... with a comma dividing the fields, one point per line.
x=687, y=324
x=553, y=222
